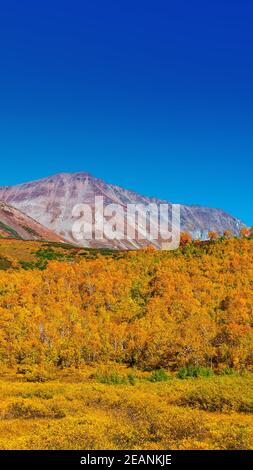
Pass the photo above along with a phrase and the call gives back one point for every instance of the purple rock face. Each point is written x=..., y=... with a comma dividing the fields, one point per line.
x=50, y=201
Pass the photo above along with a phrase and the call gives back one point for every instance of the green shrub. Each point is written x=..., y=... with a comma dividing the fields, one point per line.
x=10, y=230
x=5, y=263
x=230, y=371
x=49, y=254
x=131, y=379
x=115, y=379
x=27, y=265
x=194, y=372
x=31, y=231
x=159, y=375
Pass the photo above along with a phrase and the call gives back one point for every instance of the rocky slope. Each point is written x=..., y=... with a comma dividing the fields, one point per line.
x=15, y=224
x=50, y=201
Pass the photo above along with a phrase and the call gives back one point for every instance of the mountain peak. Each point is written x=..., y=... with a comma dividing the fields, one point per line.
x=67, y=175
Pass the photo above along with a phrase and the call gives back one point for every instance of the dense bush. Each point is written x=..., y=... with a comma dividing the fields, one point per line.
x=115, y=378
x=216, y=398
x=194, y=371
x=159, y=375
x=33, y=374
x=27, y=410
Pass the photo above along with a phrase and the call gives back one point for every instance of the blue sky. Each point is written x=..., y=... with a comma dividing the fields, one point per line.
x=155, y=96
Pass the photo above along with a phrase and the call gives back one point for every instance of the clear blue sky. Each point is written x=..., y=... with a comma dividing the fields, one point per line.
x=156, y=96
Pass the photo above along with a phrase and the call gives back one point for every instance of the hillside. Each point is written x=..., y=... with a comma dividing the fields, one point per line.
x=51, y=200
x=36, y=254
x=15, y=224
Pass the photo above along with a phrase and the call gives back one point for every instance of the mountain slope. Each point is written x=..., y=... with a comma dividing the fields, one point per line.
x=50, y=201
x=15, y=224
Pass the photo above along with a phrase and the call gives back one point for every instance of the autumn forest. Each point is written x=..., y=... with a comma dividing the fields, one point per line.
x=145, y=337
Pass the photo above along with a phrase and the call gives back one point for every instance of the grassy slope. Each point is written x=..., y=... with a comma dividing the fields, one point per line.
x=8, y=231
x=75, y=411
x=19, y=252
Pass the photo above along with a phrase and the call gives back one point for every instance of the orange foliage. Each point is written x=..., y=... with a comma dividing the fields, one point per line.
x=148, y=308
x=185, y=239
x=227, y=233
x=213, y=235
x=245, y=232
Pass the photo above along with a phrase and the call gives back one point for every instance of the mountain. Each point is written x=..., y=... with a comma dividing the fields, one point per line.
x=50, y=201
x=15, y=224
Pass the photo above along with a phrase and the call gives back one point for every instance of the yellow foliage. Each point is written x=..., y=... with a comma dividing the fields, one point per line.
x=74, y=411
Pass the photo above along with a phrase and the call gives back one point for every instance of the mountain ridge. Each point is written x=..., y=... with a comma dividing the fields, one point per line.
x=50, y=201
x=119, y=187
